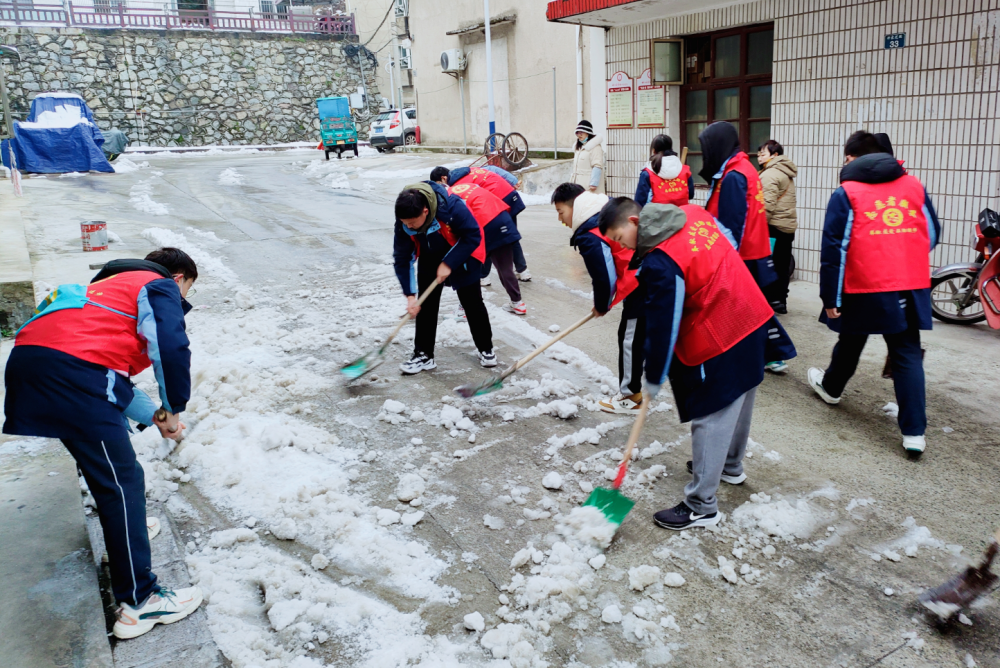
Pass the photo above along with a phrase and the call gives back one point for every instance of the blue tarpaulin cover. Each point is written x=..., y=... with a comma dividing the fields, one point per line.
x=59, y=136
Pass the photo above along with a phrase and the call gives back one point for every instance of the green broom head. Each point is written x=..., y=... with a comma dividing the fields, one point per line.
x=362, y=365
x=613, y=504
x=478, y=389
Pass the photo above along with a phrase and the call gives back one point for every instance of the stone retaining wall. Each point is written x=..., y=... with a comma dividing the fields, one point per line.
x=192, y=88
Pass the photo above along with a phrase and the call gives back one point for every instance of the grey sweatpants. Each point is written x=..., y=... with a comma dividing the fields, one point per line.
x=503, y=260
x=718, y=443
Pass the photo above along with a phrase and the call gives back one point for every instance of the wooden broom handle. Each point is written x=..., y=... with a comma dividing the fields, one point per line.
x=420, y=301
x=558, y=337
x=684, y=155
x=633, y=437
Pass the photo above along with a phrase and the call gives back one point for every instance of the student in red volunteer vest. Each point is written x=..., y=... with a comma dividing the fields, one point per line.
x=706, y=328
x=69, y=377
x=503, y=184
x=664, y=180
x=436, y=236
x=737, y=201
x=499, y=231
x=613, y=282
x=874, y=276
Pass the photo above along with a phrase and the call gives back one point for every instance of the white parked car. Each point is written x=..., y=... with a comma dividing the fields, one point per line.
x=394, y=128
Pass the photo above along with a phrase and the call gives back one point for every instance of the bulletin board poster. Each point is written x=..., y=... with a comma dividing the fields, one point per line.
x=620, y=97
x=650, y=102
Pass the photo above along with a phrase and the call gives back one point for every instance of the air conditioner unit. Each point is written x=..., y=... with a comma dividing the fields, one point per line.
x=452, y=60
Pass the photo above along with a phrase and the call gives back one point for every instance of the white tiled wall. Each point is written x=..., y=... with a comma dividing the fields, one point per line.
x=937, y=98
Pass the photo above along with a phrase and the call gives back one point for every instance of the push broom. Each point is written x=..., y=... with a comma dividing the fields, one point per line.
x=372, y=359
x=959, y=592
x=495, y=383
x=612, y=503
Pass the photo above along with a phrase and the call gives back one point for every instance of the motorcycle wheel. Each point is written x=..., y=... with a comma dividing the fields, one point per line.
x=944, y=291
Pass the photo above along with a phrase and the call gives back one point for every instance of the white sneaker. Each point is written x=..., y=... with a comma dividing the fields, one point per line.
x=165, y=607
x=517, y=309
x=152, y=529
x=779, y=367
x=485, y=281
x=460, y=314
x=419, y=362
x=524, y=276
x=622, y=405
x=915, y=444
x=816, y=381
x=487, y=359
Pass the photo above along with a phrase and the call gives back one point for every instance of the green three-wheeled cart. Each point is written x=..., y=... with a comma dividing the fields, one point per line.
x=337, y=126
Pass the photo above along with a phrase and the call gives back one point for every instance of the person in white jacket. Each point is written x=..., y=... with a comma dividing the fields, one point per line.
x=588, y=160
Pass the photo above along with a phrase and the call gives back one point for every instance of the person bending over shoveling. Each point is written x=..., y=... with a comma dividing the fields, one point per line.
x=438, y=239
x=69, y=377
x=706, y=327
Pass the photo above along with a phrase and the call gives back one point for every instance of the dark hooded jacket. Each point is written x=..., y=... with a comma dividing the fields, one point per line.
x=876, y=312
x=719, y=143
x=444, y=209
x=698, y=390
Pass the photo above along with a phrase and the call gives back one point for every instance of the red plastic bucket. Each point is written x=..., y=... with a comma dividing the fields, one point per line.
x=94, y=234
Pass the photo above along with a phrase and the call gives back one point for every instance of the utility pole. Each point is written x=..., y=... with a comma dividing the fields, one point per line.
x=489, y=69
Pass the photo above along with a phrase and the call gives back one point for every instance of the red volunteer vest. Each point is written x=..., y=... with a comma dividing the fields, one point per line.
x=756, y=241
x=722, y=303
x=670, y=191
x=889, y=244
x=94, y=333
x=484, y=178
x=452, y=239
x=627, y=280
x=484, y=205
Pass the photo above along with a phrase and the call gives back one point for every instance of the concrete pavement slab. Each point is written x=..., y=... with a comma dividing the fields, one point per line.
x=51, y=612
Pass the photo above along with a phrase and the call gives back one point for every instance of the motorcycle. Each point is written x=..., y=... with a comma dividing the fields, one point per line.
x=958, y=290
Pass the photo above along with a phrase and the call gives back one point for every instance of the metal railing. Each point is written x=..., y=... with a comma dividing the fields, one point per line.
x=118, y=15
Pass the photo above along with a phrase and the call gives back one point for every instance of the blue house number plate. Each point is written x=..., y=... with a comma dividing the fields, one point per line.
x=895, y=41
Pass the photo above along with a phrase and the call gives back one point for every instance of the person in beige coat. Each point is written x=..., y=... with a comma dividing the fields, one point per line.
x=588, y=159
x=777, y=176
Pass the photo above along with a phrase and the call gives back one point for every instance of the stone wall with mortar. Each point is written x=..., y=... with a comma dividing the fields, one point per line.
x=192, y=88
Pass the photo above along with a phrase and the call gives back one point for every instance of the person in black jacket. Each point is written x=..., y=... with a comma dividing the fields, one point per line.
x=436, y=237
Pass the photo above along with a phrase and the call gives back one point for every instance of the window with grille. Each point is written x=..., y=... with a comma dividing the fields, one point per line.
x=108, y=6
x=402, y=8
x=267, y=9
x=404, y=58
x=728, y=79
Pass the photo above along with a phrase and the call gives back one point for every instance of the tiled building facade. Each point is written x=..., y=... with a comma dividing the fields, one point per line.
x=832, y=74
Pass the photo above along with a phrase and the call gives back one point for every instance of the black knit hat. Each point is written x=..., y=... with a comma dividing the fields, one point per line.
x=585, y=126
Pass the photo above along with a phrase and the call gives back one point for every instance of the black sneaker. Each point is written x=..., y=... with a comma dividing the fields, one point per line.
x=779, y=307
x=419, y=362
x=726, y=478
x=681, y=517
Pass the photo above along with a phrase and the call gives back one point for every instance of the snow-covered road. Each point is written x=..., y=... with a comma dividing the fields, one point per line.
x=386, y=522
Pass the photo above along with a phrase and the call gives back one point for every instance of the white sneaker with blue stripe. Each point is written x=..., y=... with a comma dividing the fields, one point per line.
x=164, y=607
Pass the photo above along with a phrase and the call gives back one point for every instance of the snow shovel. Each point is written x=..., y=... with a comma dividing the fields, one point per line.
x=370, y=360
x=612, y=503
x=496, y=382
x=959, y=592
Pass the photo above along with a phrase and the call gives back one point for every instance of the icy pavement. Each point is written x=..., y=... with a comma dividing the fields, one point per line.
x=386, y=522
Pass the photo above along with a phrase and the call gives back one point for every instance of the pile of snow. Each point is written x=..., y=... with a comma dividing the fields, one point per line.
x=230, y=177
x=123, y=165
x=63, y=116
x=780, y=517
x=339, y=182
x=560, y=408
x=140, y=197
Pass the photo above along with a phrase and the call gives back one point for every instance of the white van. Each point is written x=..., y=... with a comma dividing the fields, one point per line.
x=394, y=128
